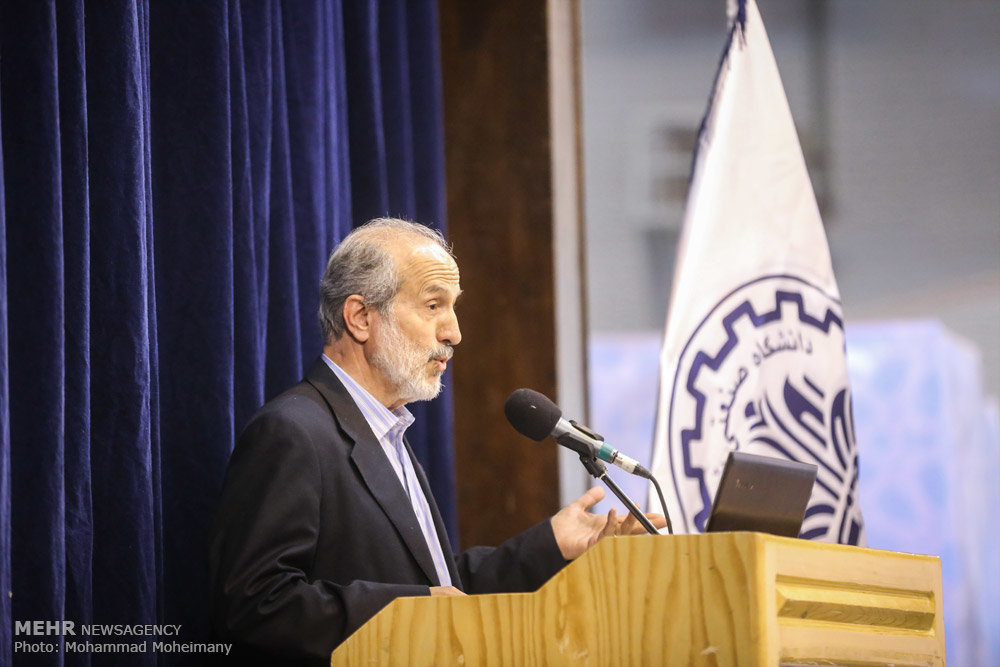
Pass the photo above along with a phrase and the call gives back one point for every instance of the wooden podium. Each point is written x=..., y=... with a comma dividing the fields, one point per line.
x=715, y=599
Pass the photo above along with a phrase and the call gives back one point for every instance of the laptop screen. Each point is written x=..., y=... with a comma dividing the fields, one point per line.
x=762, y=494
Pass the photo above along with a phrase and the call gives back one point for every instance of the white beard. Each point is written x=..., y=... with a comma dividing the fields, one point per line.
x=405, y=363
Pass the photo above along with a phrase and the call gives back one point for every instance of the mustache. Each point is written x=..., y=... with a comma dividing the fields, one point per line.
x=445, y=352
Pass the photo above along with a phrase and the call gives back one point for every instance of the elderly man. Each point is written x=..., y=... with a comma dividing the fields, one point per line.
x=326, y=516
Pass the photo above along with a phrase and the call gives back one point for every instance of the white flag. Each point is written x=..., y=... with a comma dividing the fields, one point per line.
x=753, y=356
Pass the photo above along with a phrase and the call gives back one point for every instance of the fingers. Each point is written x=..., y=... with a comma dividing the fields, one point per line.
x=610, y=528
x=593, y=496
x=611, y=525
x=630, y=526
x=615, y=525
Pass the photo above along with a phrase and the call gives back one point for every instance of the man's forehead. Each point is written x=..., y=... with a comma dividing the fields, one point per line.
x=426, y=267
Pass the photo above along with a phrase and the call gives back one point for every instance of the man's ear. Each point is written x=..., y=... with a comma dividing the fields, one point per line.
x=357, y=318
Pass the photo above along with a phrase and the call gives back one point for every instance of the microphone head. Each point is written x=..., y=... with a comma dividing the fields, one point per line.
x=531, y=414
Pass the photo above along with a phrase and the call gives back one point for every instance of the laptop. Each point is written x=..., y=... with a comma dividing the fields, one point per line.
x=761, y=494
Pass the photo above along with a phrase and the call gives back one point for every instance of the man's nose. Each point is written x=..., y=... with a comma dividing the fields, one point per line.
x=449, y=333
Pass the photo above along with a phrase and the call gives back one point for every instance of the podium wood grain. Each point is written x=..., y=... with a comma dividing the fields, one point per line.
x=718, y=599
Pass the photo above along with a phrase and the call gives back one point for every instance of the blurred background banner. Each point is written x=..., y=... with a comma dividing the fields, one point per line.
x=753, y=355
x=930, y=441
x=929, y=473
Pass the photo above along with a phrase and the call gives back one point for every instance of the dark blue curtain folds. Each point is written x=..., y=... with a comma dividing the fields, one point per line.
x=173, y=176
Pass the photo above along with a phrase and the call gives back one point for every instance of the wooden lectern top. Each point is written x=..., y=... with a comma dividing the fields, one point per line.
x=714, y=599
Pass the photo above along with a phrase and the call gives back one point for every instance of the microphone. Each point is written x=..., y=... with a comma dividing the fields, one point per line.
x=535, y=416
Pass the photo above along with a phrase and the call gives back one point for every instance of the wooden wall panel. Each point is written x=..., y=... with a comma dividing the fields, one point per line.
x=499, y=186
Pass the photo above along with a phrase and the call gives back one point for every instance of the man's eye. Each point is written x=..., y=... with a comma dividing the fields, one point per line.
x=432, y=306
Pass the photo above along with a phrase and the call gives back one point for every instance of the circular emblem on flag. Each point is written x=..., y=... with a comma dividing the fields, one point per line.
x=765, y=372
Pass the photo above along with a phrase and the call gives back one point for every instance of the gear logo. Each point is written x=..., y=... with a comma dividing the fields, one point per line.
x=765, y=372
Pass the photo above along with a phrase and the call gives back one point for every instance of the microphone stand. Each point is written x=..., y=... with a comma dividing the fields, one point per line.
x=599, y=471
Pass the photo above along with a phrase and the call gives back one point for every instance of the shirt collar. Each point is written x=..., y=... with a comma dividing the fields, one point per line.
x=381, y=419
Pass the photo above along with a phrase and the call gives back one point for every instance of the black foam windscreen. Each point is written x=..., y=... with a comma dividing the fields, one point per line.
x=531, y=413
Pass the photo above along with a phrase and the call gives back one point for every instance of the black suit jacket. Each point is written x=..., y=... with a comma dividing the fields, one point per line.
x=314, y=533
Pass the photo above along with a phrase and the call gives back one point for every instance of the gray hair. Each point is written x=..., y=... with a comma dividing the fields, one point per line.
x=363, y=265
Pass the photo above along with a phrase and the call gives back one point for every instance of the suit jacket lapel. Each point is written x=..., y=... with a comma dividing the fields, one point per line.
x=373, y=465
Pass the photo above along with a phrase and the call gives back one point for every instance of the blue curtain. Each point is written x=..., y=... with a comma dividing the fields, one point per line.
x=173, y=177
